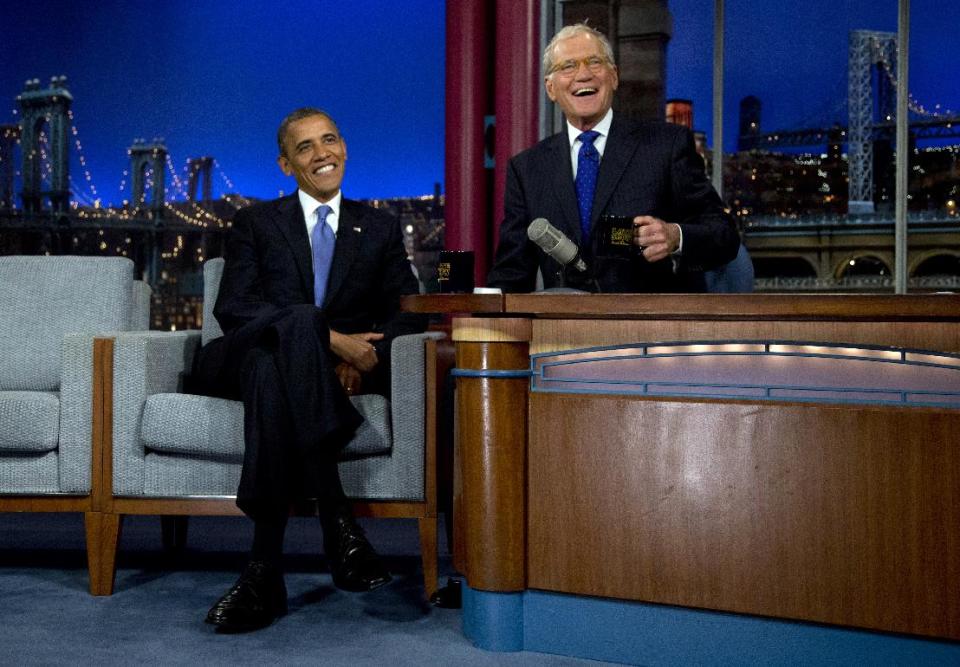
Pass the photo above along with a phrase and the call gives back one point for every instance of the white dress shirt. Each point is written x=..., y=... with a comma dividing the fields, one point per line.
x=310, y=206
x=603, y=127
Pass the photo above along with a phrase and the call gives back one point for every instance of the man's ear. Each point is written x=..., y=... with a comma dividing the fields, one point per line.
x=284, y=165
x=548, y=84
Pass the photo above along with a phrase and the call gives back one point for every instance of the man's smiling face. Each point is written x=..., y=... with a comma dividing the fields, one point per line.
x=314, y=153
x=586, y=93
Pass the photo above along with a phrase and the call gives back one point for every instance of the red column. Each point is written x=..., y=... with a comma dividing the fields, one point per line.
x=466, y=202
x=516, y=89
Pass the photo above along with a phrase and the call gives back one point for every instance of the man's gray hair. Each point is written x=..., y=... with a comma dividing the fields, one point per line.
x=572, y=31
x=300, y=114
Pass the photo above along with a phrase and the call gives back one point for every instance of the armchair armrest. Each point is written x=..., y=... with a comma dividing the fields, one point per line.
x=76, y=418
x=407, y=400
x=144, y=363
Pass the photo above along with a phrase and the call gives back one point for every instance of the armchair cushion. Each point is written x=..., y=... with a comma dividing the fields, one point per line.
x=213, y=427
x=194, y=425
x=29, y=421
x=29, y=473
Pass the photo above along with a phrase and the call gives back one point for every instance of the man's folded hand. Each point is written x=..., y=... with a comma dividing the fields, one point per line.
x=356, y=349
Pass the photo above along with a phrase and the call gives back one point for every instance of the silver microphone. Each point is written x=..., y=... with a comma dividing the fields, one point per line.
x=555, y=243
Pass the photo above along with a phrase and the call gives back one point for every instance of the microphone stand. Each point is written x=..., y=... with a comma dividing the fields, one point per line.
x=592, y=267
x=587, y=280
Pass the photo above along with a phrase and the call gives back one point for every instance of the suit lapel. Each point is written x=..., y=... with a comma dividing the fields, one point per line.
x=349, y=235
x=620, y=147
x=289, y=219
x=560, y=177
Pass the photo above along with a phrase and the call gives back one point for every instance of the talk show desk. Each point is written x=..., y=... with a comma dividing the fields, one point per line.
x=814, y=507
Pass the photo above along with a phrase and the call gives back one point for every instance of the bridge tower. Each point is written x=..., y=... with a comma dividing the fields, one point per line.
x=870, y=51
x=200, y=167
x=146, y=157
x=9, y=134
x=51, y=107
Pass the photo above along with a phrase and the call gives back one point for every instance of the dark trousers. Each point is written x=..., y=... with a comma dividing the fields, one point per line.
x=296, y=415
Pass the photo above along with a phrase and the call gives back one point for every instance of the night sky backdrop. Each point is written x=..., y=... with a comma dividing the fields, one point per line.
x=214, y=77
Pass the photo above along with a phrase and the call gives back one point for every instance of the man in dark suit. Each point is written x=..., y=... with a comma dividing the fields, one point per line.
x=309, y=303
x=606, y=164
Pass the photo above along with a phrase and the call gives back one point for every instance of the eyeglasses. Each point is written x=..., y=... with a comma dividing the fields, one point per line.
x=570, y=67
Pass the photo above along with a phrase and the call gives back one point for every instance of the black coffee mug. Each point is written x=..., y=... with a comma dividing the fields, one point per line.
x=455, y=271
x=616, y=236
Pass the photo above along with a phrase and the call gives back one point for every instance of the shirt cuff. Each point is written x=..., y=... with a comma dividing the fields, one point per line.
x=679, y=250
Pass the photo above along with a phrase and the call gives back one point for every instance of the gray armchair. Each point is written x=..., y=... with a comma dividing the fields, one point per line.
x=179, y=454
x=51, y=309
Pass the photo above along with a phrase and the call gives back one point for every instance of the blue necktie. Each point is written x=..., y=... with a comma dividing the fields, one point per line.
x=324, y=241
x=588, y=164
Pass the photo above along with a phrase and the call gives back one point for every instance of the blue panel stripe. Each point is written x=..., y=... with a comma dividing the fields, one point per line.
x=766, y=388
x=819, y=400
x=649, y=634
x=489, y=373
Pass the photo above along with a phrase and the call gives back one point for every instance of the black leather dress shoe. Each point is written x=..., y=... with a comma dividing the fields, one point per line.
x=354, y=564
x=258, y=597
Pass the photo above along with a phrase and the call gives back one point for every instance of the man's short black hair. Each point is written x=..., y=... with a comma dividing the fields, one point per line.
x=300, y=114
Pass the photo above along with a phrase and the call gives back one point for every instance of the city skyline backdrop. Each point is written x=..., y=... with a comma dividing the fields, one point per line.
x=794, y=58
x=214, y=78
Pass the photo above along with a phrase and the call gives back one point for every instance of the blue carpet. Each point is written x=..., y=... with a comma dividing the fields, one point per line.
x=155, y=615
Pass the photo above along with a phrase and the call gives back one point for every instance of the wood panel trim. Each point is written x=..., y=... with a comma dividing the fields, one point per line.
x=45, y=503
x=198, y=506
x=226, y=506
x=844, y=307
x=892, y=307
x=452, y=303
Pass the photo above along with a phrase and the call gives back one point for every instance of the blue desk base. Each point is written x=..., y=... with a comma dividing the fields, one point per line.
x=649, y=634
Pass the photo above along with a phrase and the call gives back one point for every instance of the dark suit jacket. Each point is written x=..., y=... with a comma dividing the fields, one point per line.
x=648, y=168
x=269, y=267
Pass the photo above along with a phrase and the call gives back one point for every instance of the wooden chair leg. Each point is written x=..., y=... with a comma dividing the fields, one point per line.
x=103, y=534
x=428, y=552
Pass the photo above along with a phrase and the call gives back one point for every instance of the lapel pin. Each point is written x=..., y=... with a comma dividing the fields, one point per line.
x=357, y=229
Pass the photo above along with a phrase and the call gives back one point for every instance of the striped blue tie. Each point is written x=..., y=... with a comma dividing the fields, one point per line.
x=588, y=165
x=324, y=242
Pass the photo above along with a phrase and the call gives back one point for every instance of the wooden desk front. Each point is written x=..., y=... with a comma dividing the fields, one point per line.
x=843, y=514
